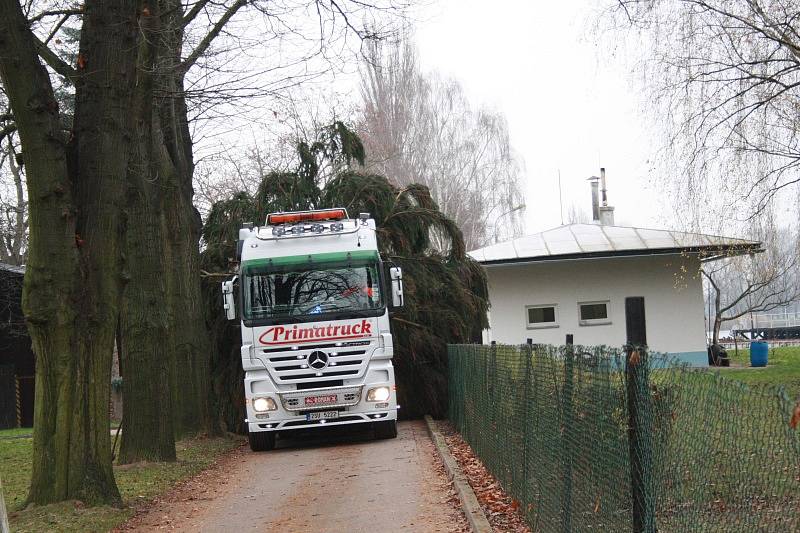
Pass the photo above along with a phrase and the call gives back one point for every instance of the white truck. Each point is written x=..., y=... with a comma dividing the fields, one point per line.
x=313, y=297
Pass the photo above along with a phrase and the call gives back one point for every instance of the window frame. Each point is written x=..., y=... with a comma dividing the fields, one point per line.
x=542, y=325
x=595, y=321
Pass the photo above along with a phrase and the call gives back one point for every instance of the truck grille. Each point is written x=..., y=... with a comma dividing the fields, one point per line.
x=345, y=360
x=345, y=397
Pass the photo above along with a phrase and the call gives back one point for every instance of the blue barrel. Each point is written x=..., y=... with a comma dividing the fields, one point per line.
x=758, y=353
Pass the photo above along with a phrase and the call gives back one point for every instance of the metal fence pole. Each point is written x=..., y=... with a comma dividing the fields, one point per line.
x=567, y=428
x=490, y=370
x=4, y=528
x=639, y=410
x=528, y=351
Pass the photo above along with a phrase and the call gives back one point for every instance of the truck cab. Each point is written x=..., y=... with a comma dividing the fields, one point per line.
x=313, y=302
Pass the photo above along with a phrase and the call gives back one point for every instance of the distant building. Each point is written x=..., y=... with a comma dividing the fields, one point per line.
x=17, y=361
x=574, y=279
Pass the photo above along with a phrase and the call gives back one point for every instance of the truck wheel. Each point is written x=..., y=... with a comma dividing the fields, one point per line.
x=261, y=441
x=385, y=430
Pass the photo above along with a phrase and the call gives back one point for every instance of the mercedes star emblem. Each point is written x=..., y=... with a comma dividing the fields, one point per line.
x=318, y=360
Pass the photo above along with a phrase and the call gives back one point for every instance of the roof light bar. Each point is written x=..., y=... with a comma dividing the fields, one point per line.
x=306, y=216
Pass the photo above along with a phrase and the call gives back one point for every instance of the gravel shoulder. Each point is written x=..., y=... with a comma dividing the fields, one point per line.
x=329, y=482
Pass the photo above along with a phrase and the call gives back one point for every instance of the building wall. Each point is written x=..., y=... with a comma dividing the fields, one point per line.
x=670, y=285
x=16, y=358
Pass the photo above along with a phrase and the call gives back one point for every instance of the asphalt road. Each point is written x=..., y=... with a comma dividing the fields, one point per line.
x=322, y=483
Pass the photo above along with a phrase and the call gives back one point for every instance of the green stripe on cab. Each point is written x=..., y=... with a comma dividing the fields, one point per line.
x=313, y=258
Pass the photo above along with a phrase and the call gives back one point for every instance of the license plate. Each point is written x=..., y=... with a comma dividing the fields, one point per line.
x=322, y=415
x=321, y=400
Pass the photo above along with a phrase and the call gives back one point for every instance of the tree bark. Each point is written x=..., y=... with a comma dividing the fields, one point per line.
x=717, y=327
x=191, y=356
x=191, y=347
x=191, y=370
x=145, y=359
x=165, y=354
x=72, y=287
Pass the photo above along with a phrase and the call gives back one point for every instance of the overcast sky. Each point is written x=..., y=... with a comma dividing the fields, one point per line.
x=569, y=107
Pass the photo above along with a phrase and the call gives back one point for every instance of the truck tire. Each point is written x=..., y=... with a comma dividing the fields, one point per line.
x=385, y=430
x=261, y=441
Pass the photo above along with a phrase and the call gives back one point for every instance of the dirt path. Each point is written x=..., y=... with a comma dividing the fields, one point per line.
x=328, y=484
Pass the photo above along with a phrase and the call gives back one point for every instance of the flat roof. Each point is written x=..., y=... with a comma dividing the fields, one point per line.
x=585, y=241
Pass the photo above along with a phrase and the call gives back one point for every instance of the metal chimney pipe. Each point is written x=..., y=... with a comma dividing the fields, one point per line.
x=603, y=186
x=595, y=200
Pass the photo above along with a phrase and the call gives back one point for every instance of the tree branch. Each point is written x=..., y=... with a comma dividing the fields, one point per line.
x=215, y=31
x=7, y=130
x=196, y=9
x=56, y=12
x=55, y=29
x=52, y=59
x=25, y=80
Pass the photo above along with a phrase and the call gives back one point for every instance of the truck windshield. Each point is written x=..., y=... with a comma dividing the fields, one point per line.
x=274, y=292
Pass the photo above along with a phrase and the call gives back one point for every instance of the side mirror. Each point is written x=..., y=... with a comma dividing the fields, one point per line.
x=396, y=276
x=228, y=302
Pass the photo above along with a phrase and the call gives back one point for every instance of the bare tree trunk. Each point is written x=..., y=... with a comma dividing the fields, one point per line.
x=145, y=359
x=72, y=289
x=192, y=335
x=191, y=372
x=191, y=355
x=717, y=327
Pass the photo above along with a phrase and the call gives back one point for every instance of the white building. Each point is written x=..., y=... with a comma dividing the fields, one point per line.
x=574, y=279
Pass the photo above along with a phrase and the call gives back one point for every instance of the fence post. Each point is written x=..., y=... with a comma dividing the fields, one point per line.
x=566, y=432
x=491, y=369
x=528, y=419
x=639, y=412
x=4, y=528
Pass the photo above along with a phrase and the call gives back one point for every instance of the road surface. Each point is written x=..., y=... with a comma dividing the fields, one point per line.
x=326, y=484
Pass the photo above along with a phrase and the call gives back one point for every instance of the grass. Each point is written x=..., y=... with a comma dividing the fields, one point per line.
x=783, y=369
x=17, y=432
x=137, y=484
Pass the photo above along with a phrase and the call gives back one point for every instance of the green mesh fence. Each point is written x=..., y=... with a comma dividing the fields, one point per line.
x=582, y=447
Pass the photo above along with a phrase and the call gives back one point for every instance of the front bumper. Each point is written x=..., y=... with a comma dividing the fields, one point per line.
x=302, y=423
x=351, y=406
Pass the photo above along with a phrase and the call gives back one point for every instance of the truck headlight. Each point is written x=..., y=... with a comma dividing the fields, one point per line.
x=378, y=394
x=264, y=404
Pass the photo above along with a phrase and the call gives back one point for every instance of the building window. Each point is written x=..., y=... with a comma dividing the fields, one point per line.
x=542, y=316
x=594, y=313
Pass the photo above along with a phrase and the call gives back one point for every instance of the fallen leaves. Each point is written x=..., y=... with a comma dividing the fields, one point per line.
x=502, y=511
x=163, y=511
